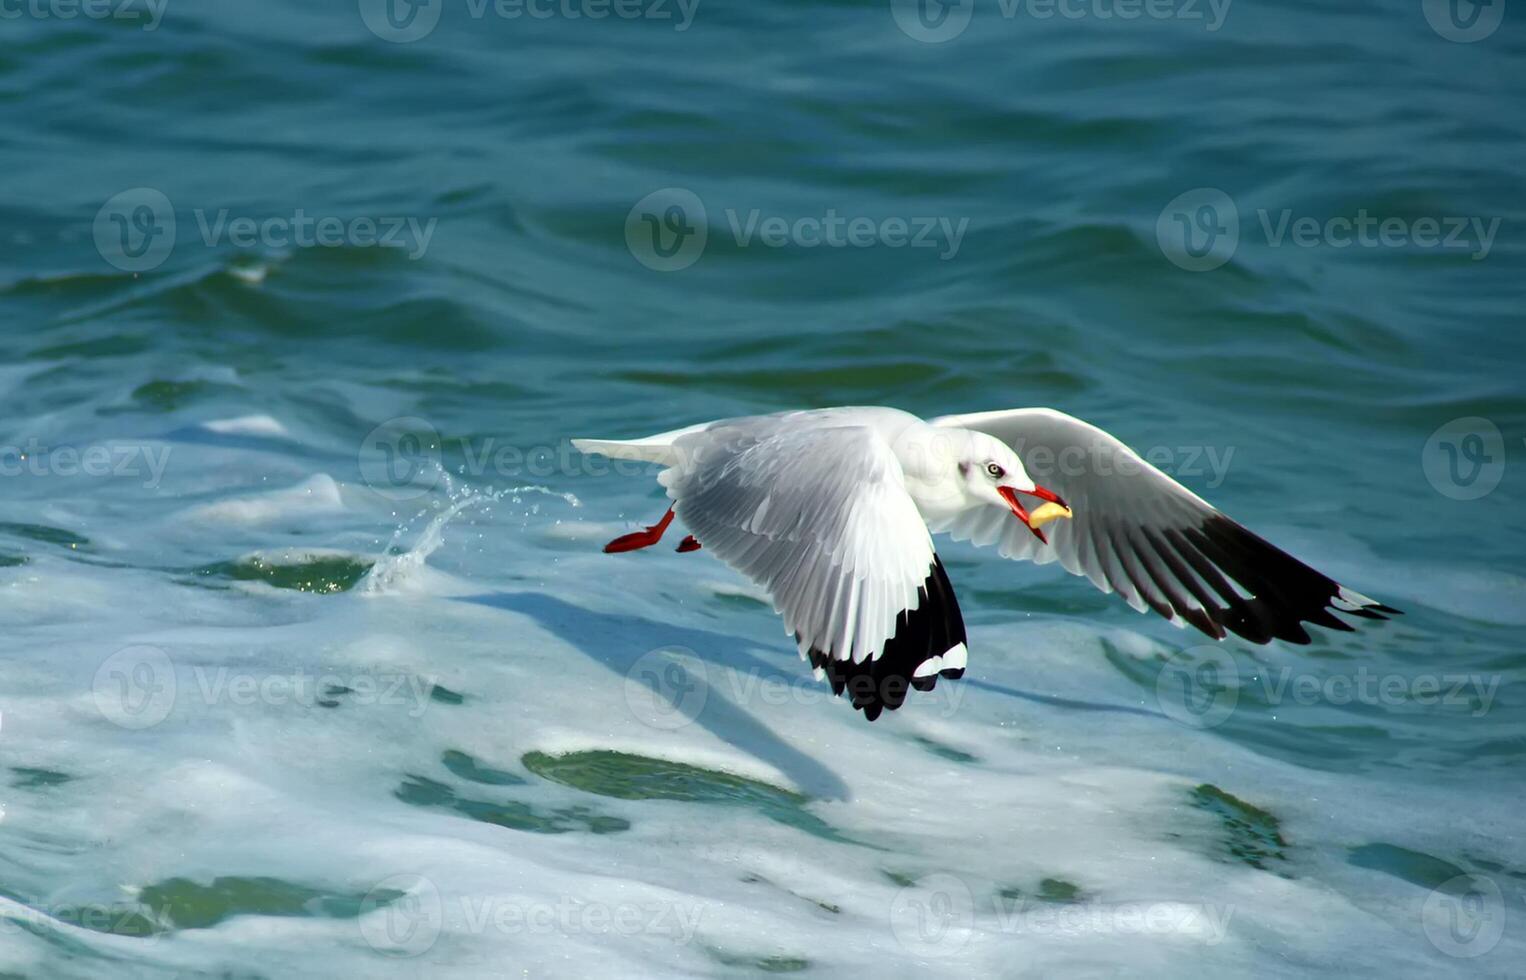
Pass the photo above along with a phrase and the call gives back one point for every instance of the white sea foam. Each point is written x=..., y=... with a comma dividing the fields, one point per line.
x=306, y=740
x=247, y=425
x=317, y=495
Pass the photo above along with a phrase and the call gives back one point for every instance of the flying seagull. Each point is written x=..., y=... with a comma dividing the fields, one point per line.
x=833, y=511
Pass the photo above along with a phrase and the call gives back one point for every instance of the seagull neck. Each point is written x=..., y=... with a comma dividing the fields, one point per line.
x=937, y=502
x=928, y=458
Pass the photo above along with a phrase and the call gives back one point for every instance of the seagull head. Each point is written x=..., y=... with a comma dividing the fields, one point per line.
x=993, y=474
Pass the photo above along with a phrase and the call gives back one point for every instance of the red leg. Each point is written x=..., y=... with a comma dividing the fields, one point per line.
x=641, y=539
x=688, y=544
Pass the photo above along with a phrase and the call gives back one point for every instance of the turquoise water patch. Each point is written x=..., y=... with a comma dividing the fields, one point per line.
x=1415, y=867
x=637, y=777
x=445, y=695
x=1251, y=835
x=113, y=345
x=738, y=600
x=1055, y=891
x=468, y=768
x=181, y=903
x=319, y=574
x=1495, y=867
x=26, y=778
x=167, y=396
x=762, y=964
x=331, y=695
x=511, y=814
x=46, y=534
x=944, y=751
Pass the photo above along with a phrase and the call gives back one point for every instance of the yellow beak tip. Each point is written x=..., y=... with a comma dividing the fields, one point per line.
x=1046, y=513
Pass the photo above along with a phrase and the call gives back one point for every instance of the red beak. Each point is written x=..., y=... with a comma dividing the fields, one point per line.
x=1048, y=495
x=1010, y=496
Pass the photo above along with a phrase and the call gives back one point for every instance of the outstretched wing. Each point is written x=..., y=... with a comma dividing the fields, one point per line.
x=820, y=517
x=1138, y=532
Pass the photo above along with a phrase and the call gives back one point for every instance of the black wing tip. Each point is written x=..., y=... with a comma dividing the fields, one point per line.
x=873, y=688
x=881, y=683
x=1285, y=593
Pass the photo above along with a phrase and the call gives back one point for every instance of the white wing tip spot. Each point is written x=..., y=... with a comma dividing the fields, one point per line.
x=1350, y=600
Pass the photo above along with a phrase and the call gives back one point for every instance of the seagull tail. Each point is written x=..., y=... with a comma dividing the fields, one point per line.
x=642, y=449
x=652, y=449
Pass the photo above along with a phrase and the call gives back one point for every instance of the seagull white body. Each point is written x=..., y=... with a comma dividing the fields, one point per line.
x=833, y=510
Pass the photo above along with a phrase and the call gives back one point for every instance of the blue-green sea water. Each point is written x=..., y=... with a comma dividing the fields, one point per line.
x=311, y=664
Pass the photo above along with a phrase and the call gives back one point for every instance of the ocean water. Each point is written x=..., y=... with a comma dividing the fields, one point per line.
x=312, y=666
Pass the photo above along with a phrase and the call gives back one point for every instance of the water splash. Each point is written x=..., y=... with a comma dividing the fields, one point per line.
x=397, y=565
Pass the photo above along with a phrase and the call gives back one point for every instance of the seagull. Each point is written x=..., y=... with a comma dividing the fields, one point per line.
x=832, y=511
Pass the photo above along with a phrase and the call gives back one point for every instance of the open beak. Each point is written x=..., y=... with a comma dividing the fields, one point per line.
x=1051, y=509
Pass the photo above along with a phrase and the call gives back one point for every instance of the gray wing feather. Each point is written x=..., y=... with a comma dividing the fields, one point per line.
x=817, y=515
x=1160, y=546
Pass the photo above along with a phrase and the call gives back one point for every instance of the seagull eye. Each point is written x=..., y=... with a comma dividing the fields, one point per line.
x=996, y=471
